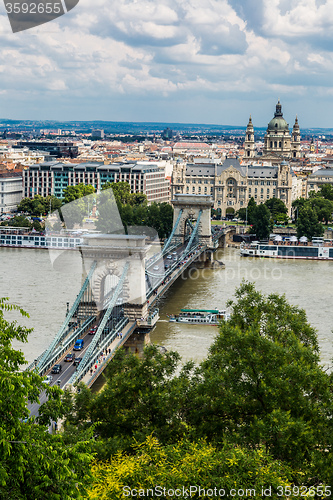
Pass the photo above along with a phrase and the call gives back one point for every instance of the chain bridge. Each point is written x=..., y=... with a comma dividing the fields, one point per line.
x=124, y=278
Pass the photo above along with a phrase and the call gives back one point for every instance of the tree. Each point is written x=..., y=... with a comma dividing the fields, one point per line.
x=39, y=205
x=182, y=465
x=72, y=193
x=277, y=208
x=307, y=223
x=326, y=191
x=263, y=383
x=241, y=214
x=323, y=207
x=251, y=207
x=33, y=463
x=261, y=222
x=140, y=396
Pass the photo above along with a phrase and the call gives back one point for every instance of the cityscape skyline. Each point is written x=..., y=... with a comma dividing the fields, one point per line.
x=198, y=62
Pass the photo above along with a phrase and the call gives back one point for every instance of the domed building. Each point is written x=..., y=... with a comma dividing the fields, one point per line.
x=278, y=142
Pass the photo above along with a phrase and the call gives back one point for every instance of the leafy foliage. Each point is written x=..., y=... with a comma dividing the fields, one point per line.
x=261, y=222
x=33, y=463
x=184, y=464
x=39, y=205
x=307, y=223
x=262, y=382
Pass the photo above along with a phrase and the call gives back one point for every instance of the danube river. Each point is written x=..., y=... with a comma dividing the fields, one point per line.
x=28, y=278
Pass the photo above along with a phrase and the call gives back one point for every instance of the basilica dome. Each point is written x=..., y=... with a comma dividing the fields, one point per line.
x=278, y=123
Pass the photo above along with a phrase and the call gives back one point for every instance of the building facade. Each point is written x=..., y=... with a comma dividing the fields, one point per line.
x=52, y=178
x=231, y=185
x=319, y=178
x=10, y=191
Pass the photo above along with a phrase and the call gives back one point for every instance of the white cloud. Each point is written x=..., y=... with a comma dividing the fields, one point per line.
x=138, y=50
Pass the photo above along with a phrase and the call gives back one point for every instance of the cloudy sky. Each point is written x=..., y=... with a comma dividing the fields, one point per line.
x=194, y=61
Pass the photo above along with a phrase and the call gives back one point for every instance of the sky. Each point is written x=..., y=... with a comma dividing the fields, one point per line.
x=186, y=61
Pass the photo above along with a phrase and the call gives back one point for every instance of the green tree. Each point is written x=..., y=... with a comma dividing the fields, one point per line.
x=307, y=223
x=277, y=208
x=251, y=207
x=326, y=191
x=261, y=222
x=33, y=463
x=263, y=383
x=140, y=396
x=297, y=205
x=184, y=465
x=323, y=207
x=241, y=214
x=72, y=193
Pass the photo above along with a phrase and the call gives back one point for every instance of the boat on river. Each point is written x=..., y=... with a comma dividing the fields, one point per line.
x=318, y=249
x=23, y=238
x=199, y=316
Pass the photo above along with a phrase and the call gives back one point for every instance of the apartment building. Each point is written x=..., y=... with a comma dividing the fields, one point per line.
x=52, y=178
x=10, y=191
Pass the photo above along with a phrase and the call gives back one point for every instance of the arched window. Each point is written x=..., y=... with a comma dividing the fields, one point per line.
x=275, y=144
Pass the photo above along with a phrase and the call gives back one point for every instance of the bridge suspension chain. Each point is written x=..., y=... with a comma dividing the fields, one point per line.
x=62, y=332
x=87, y=357
x=168, y=241
x=193, y=235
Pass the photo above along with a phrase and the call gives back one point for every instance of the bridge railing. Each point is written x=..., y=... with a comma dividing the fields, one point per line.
x=101, y=366
x=64, y=327
x=196, y=251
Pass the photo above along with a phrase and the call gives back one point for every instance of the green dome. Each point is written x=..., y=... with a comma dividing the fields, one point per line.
x=278, y=124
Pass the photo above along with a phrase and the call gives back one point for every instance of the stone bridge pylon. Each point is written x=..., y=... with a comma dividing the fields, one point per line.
x=193, y=209
x=111, y=254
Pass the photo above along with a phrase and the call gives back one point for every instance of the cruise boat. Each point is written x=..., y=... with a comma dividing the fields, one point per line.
x=200, y=316
x=20, y=238
x=318, y=249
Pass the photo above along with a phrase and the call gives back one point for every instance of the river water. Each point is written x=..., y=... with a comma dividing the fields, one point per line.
x=28, y=278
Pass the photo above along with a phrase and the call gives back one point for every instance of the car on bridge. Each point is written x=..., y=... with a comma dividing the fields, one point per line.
x=70, y=357
x=48, y=379
x=77, y=361
x=56, y=369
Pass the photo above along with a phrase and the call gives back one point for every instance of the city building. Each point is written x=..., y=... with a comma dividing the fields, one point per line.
x=97, y=133
x=231, y=185
x=319, y=178
x=52, y=178
x=56, y=149
x=278, y=142
x=10, y=190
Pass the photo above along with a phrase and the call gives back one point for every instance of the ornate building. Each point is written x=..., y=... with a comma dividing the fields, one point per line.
x=231, y=185
x=278, y=142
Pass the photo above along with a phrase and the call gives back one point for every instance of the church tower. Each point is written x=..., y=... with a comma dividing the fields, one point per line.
x=249, y=140
x=296, y=141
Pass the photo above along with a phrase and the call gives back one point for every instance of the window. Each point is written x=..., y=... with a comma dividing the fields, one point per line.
x=262, y=183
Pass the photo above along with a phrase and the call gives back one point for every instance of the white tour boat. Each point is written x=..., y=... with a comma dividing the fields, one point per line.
x=200, y=316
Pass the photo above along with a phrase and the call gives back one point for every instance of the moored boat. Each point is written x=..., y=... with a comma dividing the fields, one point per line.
x=200, y=316
x=318, y=249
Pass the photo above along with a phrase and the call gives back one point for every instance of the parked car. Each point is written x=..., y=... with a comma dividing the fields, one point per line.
x=169, y=256
x=70, y=357
x=56, y=369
